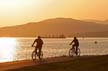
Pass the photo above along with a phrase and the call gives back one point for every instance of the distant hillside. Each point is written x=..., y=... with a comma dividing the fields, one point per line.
x=55, y=27
x=97, y=21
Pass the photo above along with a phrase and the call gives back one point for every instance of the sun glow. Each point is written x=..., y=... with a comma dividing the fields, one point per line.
x=13, y=12
x=11, y=3
x=8, y=6
x=7, y=49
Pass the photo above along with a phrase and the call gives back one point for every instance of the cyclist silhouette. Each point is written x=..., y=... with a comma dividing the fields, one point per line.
x=39, y=43
x=75, y=44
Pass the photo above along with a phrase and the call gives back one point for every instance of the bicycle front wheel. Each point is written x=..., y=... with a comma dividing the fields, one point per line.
x=33, y=55
x=71, y=52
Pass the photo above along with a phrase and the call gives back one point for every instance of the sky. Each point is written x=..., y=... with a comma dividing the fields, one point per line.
x=16, y=12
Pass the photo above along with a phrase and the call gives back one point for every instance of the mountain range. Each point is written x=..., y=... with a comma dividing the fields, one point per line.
x=56, y=27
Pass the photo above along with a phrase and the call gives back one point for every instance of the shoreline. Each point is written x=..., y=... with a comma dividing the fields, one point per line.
x=23, y=64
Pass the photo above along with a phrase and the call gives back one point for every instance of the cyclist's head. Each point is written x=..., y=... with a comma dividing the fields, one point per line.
x=74, y=37
x=39, y=37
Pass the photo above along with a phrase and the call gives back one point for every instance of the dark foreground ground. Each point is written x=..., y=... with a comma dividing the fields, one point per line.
x=84, y=63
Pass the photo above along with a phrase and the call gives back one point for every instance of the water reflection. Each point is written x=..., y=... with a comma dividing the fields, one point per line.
x=7, y=49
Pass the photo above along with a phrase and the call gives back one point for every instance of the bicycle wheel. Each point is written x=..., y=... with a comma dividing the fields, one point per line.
x=79, y=52
x=34, y=55
x=72, y=52
x=41, y=55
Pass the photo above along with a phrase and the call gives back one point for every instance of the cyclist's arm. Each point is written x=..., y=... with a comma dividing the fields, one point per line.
x=71, y=43
x=33, y=43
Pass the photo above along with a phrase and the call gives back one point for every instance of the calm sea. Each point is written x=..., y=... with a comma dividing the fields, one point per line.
x=12, y=49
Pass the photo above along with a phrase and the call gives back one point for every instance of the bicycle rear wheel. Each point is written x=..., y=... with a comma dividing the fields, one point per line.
x=78, y=52
x=40, y=56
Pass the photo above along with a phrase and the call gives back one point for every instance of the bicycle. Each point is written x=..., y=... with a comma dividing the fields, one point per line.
x=72, y=52
x=36, y=54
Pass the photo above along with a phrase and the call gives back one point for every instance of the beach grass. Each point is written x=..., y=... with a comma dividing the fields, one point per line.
x=84, y=63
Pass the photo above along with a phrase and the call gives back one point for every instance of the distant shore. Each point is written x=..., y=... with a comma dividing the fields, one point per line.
x=63, y=63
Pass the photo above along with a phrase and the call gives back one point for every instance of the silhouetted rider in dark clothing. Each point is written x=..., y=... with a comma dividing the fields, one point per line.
x=39, y=43
x=75, y=44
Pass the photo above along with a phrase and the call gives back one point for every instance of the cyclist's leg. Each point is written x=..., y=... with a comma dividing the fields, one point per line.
x=76, y=50
x=73, y=47
x=40, y=51
x=35, y=51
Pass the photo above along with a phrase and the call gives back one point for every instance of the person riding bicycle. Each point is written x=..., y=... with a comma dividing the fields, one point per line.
x=76, y=44
x=39, y=43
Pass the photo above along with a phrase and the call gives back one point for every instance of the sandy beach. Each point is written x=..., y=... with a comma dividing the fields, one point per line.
x=25, y=63
x=63, y=63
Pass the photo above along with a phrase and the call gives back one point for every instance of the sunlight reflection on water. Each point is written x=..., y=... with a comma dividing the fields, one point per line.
x=7, y=49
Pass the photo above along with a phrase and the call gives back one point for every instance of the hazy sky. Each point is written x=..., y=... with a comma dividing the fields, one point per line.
x=13, y=12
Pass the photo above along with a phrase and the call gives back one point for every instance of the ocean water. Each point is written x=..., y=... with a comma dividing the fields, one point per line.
x=13, y=49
